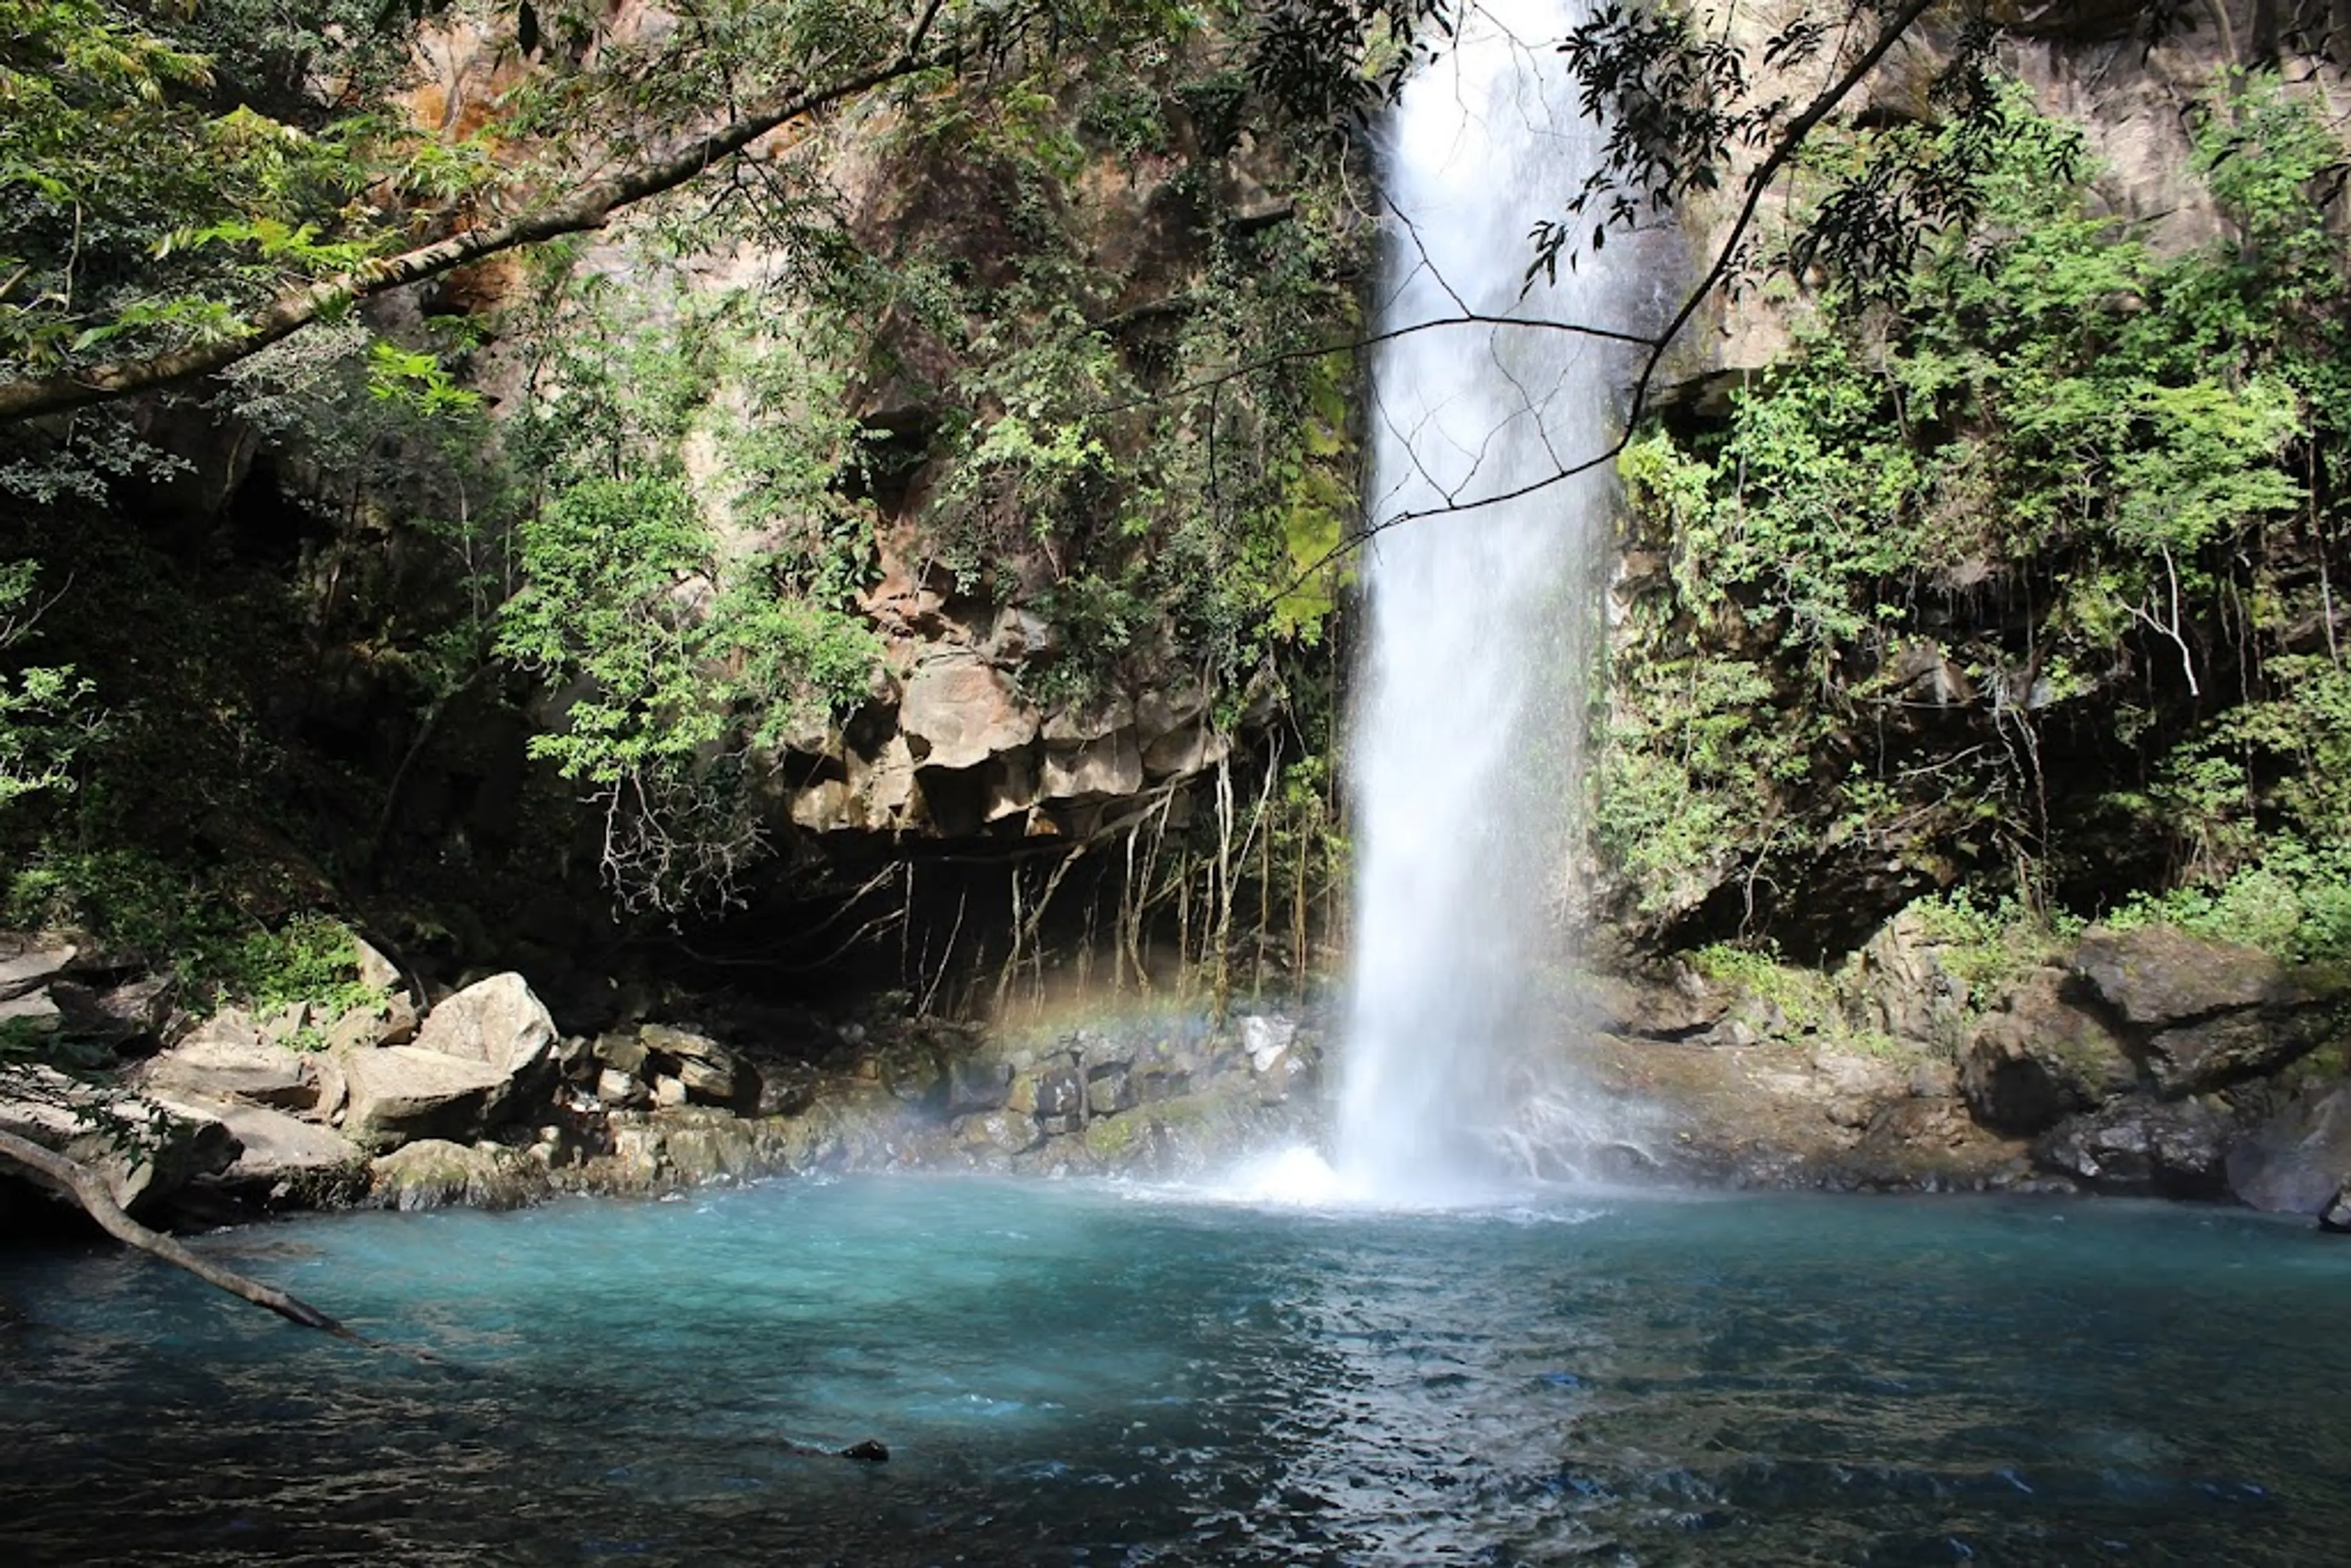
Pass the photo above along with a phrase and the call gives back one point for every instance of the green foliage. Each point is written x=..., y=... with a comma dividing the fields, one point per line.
x=164, y=169
x=42, y=706
x=312, y=960
x=2260, y=800
x=132, y=901
x=2295, y=904
x=1986, y=946
x=1811, y=1001
x=2046, y=481
x=1182, y=469
x=687, y=663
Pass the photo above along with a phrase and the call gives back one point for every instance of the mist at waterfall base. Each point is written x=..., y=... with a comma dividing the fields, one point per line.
x=1463, y=755
x=1077, y=1374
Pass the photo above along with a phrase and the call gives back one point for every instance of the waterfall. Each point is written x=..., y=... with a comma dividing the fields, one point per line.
x=1469, y=715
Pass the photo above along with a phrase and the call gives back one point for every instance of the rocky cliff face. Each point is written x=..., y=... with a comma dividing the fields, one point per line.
x=954, y=488
x=1029, y=277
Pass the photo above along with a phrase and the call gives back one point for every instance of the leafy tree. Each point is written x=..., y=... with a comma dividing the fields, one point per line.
x=2025, y=513
x=38, y=703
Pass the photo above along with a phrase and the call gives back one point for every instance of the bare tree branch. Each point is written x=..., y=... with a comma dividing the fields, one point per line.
x=89, y=1189
x=1784, y=152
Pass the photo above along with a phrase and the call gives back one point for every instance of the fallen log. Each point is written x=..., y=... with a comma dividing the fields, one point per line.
x=89, y=1189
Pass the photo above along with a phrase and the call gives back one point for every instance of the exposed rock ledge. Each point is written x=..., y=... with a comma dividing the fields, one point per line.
x=2148, y=1061
x=485, y=1105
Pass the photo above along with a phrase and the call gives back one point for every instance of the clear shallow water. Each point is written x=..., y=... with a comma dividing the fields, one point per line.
x=1088, y=1375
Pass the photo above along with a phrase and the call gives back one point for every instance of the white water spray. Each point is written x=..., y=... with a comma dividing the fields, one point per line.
x=1468, y=727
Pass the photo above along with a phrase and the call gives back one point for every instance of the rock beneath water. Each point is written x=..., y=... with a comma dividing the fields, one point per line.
x=434, y=1173
x=2337, y=1215
x=2166, y=1148
x=498, y=1022
x=227, y=1057
x=142, y=1151
x=2039, y=1059
x=2300, y=1160
x=2158, y=977
x=401, y=1092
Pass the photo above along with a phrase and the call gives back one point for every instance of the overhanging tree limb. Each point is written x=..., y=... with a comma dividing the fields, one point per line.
x=89, y=1189
x=589, y=209
x=1784, y=150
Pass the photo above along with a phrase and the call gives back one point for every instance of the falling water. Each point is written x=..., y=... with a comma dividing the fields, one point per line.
x=1469, y=723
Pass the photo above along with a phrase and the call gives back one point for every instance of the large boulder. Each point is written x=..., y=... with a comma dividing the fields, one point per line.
x=2232, y=1047
x=994, y=1135
x=2162, y=1148
x=28, y=962
x=2158, y=977
x=403, y=1091
x=1082, y=772
x=390, y=1021
x=280, y=1158
x=143, y=1151
x=1678, y=1004
x=2038, y=1059
x=2200, y=1014
x=115, y=1015
x=2297, y=1160
x=957, y=712
x=227, y=1057
x=709, y=1072
x=975, y=1086
x=2337, y=1215
x=1906, y=992
x=496, y=1021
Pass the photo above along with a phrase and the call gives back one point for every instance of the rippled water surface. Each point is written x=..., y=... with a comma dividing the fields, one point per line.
x=1087, y=1375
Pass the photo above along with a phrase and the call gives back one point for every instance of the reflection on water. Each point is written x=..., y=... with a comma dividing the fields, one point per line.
x=1085, y=1374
